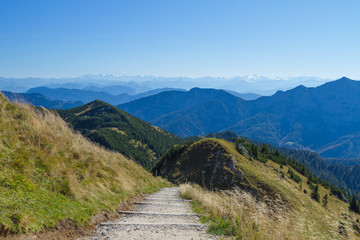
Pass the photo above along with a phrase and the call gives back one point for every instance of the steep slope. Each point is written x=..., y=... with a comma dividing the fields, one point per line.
x=260, y=199
x=40, y=100
x=324, y=119
x=121, y=132
x=343, y=176
x=49, y=174
x=199, y=120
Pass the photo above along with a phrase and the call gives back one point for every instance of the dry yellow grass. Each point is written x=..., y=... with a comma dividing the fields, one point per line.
x=244, y=216
x=251, y=219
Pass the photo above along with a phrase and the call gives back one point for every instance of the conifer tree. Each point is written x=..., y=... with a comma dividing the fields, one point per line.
x=325, y=200
x=353, y=204
x=277, y=152
x=254, y=151
x=315, y=193
x=265, y=148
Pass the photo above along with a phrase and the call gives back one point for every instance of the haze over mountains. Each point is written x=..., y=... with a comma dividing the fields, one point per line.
x=65, y=98
x=138, y=84
x=324, y=119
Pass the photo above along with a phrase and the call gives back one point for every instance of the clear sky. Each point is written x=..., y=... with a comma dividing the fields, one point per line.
x=62, y=38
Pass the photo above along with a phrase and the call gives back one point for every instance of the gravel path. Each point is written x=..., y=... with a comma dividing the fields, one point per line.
x=162, y=215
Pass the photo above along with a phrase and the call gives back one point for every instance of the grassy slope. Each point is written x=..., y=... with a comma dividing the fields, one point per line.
x=121, y=132
x=48, y=173
x=292, y=216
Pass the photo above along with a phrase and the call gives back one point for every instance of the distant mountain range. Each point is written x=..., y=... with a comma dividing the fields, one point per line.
x=325, y=119
x=132, y=85
x=65, y=98
x=251, y=83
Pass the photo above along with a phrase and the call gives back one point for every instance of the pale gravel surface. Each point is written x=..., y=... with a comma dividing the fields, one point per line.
x=183, y=224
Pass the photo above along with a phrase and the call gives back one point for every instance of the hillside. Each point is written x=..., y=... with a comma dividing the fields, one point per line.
x=344, y=176
x=323, y=119
x=121, y=132
x=50, y=175
x=270, y=200
x=40, y=100
x=343, y=173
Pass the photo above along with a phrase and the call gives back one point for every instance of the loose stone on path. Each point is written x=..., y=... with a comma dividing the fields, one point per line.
x=162, y=215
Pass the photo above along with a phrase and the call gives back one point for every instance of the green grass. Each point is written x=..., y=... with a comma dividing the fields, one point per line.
x=217, y=225
x=49, y=174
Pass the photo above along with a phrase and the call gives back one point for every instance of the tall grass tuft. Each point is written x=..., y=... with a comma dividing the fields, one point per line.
x=238, y=213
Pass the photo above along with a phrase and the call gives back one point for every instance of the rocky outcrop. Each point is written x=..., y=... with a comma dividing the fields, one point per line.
x=206, y=163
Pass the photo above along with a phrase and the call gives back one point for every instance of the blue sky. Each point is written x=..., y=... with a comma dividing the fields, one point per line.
x=59, y=38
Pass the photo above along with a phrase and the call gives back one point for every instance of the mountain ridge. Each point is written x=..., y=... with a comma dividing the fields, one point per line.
x=310, y=118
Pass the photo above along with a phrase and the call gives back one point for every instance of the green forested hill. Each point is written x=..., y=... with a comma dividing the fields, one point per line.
x=121, y=132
